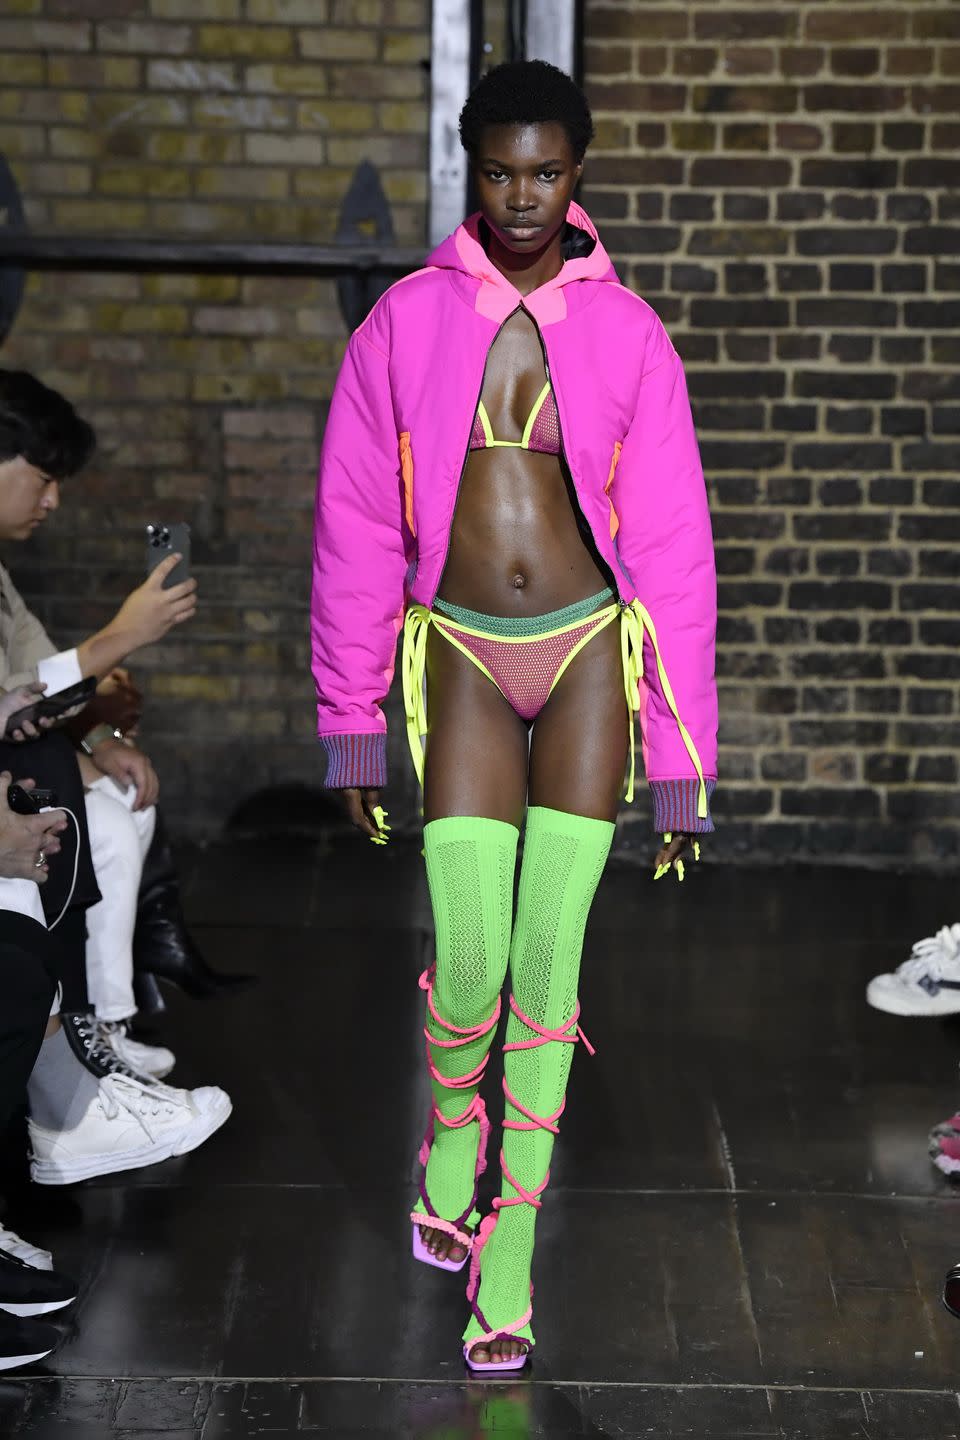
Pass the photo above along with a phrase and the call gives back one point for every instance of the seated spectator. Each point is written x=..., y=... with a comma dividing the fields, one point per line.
x=92, y=1112
x=42, y=439
x=27, y=842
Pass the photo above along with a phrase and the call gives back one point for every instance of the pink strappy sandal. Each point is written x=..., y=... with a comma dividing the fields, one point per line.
x=568, y=1033
x=476, y=1110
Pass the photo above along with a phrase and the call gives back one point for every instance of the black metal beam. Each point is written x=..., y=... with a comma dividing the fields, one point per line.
x=235, y=257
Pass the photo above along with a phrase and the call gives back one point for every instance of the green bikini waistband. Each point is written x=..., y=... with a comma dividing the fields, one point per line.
x=522, y=625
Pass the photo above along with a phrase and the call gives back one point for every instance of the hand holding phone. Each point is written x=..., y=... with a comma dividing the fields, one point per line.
x=27, y=837
x=164, y=541
x=28, y=800
x=158, y=604
x=52, y=707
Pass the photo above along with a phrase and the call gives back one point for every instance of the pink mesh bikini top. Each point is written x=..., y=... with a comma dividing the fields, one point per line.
x=541, y=432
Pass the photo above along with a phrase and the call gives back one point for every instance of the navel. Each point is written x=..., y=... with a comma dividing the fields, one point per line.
x=519, y=581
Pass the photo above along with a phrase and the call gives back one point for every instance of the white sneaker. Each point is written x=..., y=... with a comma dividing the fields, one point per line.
x=151, y=1061
x=926, y=984
x=14, y=1244
x=130, y=1123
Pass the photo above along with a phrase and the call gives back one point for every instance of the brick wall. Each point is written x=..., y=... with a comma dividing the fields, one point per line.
x=780, y=181
x=203, y=118
x=775, y=180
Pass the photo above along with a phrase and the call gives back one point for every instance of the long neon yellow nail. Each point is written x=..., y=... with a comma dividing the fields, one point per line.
x=679, y=869
x=696, y=850
x=668, y=837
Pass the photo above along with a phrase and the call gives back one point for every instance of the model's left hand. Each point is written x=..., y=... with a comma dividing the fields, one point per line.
x=126, y=764
x=668, y=854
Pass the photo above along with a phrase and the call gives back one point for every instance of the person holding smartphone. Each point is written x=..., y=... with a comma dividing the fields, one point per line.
x=112, y=788
x=43, y=442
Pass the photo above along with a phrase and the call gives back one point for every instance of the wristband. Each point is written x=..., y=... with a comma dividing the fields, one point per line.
x=97, y=735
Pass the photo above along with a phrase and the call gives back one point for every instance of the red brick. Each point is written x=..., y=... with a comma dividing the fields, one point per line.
x=747, y=136
x=935, y=99
x=867, y=22
x=910, y=59
x=854, y=61
x=695, y=59
x=793, y=135
x=764, y=99
x=801, y=61
x=609, y=59
x=622, y=95
x=603, y=23
x=722, y=24
x=941, y=24
x=855, y=97
x=748, y=60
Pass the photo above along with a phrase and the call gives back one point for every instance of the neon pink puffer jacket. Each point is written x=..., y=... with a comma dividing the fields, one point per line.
x=393, y=453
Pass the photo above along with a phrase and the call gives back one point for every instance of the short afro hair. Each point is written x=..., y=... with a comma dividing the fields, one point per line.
x=42, y=426
x=526, y=92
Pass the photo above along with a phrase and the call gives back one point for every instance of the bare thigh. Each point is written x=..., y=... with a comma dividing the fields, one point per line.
x=580, y=738
x=477, y=747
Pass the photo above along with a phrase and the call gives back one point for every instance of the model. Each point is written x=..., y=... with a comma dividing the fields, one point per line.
x=510, y=473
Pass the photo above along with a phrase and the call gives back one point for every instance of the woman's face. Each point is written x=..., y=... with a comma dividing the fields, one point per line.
x=525, y=177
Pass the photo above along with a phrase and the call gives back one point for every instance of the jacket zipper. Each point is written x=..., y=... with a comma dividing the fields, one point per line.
x=563, y=451
x=466, y=448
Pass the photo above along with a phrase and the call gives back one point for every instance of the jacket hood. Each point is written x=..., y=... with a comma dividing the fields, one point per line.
x=492, y=294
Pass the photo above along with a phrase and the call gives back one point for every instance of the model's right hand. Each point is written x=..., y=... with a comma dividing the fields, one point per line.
x=359, y=805
x=150, y=611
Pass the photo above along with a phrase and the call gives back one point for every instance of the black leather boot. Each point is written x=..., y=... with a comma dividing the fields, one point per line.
x=146, y=993
x=162, y=944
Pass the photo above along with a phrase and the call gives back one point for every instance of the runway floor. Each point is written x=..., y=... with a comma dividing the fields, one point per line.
x=743, y=1235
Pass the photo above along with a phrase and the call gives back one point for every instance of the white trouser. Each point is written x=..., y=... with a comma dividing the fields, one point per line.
x=119, y=840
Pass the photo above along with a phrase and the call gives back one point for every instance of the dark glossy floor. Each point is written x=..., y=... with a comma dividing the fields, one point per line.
x=744, y=1236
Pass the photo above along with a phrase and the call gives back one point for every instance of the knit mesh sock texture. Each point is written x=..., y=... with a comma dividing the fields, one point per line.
x=563, y=859
x=470, y=869
x=61, y=1088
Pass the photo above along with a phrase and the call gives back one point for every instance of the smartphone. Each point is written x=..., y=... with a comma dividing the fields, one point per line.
x=30, y=802
x=165, y=540
x=52, y=707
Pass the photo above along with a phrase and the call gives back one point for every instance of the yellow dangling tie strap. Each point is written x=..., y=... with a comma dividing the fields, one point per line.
x=413, y=661
x=631, y=654
x=645, y=622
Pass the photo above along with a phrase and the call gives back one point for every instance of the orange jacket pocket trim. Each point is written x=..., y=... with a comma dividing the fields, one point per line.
x=614, y=517
x=406, y=471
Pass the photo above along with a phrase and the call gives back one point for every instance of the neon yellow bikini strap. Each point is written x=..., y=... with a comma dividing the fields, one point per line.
x=631, y=654
x=413, y=660
x=647, y=623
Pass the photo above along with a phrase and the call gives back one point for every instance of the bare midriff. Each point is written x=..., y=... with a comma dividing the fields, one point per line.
x=515, y=546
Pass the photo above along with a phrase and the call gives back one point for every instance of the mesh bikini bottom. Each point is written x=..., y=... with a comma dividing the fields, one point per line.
x=524, y=657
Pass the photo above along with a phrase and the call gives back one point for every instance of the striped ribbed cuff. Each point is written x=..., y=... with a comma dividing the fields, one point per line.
x=359, y=760
x=675, y=806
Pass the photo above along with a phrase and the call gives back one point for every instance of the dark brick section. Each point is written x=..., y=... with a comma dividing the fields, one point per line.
x=805, y=158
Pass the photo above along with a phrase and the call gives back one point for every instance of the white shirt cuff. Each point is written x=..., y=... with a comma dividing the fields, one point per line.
x=59, y=672
x=23, y=898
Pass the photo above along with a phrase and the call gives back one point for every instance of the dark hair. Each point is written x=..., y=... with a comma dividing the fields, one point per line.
x=39, y=424
x=527, y=92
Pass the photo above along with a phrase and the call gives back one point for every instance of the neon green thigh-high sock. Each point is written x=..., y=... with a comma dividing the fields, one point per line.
x=563, y=859
x=470, y=869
